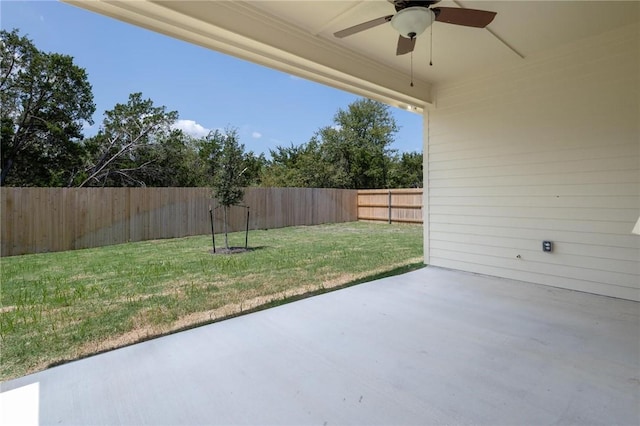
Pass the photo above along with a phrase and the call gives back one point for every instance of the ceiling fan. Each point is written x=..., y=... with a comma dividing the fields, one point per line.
x=415, y=16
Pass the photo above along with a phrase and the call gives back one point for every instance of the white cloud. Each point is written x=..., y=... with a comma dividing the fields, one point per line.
x=90, y=129
x=191, y=128
x=256, y=135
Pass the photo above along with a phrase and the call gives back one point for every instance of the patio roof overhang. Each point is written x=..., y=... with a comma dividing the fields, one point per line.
x=296, y=37
x=241, y=30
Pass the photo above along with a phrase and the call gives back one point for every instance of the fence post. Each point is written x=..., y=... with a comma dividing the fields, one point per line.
x=389, y=206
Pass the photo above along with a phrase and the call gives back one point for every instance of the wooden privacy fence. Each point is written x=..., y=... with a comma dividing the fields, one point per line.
x=390, y=205
x=36, y=220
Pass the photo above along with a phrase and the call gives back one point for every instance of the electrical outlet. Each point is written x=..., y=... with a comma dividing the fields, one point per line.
x=547, y=246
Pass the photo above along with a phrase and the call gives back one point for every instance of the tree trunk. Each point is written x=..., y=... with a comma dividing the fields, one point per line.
x=5, y=170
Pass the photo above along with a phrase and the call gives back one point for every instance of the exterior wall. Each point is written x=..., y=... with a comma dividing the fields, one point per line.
x=546, y=150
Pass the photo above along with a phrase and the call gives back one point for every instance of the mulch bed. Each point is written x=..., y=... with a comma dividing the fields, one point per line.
x=231, y=250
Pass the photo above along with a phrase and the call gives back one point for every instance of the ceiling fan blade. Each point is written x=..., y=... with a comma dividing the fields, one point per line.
x=363, y=26
x=467, y=17
x=405, y=45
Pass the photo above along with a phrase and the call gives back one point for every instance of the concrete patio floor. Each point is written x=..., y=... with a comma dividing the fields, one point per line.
x=432, y=346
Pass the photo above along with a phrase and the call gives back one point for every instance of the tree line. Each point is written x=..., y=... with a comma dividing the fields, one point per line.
x=47, y=100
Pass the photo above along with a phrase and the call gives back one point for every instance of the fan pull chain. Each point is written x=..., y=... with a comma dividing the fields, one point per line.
x=411, y=69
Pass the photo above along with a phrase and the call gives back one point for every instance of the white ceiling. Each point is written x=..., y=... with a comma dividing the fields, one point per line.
x=297, y=37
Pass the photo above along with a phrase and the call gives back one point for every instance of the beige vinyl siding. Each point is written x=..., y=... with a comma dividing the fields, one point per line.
x=548, y=149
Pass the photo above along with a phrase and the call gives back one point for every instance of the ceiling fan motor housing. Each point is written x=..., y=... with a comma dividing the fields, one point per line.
x=412, y=21
x=403, y=4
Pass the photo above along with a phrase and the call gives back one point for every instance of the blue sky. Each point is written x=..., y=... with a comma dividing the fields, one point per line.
x=208, y=89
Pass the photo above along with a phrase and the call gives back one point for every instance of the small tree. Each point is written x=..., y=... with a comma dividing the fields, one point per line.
x=229, y=170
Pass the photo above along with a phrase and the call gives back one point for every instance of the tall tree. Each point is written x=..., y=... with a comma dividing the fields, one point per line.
x=355, y=152
x=359, y=143
x=255, y=165
x=45, y=99
x=284, y=168
x=126, y=150
x=208, y=149
x=406, y=171
x=175, y=162
x=305, y=166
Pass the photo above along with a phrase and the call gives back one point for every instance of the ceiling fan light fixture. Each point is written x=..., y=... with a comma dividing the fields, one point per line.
x=412, y=21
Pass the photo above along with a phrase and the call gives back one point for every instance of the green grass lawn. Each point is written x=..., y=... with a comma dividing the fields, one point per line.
x=63, y=306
